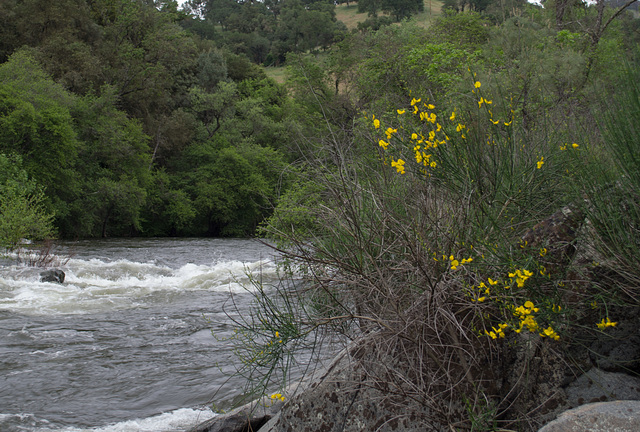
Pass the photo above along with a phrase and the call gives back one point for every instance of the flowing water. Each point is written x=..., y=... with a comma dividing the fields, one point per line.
x=125, y=344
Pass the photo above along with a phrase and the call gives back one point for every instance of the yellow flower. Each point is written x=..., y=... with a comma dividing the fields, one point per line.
x=415, y=101
x=401, y=111
x=277, y=396
x=574, y=145
x=376, y=123
x=604, y=324
x=477, y=84
x=414, y=136
x=460, y=127
x=540, y=162
x=431, y=106
x=383, y=144
x=508, y=123
x=492, y=282
x=390, y=131
x=483, y=100
x=453, y=116
x=277, y=334
x=398, y=165
x=550, y=332
x=495, y=122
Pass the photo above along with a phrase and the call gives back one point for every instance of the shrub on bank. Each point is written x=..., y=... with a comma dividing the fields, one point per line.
x=430, y=245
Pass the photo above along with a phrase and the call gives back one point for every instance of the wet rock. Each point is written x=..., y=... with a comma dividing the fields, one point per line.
x=54, y=275
x=247, y=418
x=619, y=416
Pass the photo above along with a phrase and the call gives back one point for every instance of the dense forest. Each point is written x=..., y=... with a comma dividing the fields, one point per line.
x=137, y=117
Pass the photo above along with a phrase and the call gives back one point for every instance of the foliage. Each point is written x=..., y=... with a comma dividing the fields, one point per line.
x=612, y=181
x=36, y=123
x=22, y=213
x=410, y=239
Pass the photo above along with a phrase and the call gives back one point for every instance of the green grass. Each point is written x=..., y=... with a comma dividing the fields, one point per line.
x=276, y=73
x=350, y=17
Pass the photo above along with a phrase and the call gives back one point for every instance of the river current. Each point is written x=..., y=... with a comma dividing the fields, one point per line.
x=126, y=343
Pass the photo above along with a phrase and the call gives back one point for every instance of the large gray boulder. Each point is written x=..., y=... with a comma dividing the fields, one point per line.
x=618, y=416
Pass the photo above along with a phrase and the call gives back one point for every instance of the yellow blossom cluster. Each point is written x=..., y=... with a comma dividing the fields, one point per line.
x=606, y=323
x=277, y=396
x=520, y=276
x=455, y=263
x=422, y=143
x=526, y=320
x=497, y=332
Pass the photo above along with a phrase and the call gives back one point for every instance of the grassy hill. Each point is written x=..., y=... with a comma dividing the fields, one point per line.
x=350, y=17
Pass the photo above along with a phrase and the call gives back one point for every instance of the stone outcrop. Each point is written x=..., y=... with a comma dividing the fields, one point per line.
x=619, y=416
x=247, y=418
x=53, y=275
x=345, y=398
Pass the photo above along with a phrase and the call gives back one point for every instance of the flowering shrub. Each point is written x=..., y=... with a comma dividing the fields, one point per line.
x=417, y=252
x=445, y=155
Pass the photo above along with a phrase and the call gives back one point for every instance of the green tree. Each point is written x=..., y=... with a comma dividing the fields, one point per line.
x=36, y=123
x=402, y=8
x=115, y=169
x=22, y=211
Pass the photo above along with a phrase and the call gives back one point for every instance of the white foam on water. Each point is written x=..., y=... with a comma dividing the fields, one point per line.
x=95, y=285
x=174, y=421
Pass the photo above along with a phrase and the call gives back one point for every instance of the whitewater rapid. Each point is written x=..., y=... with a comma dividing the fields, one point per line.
x=126, y=343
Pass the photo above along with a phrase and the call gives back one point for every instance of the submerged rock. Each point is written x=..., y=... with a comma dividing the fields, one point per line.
x=54, y=275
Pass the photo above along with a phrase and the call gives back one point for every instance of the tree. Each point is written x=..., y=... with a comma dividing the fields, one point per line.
x=22, y=211
x=36, y=123
x=402, y=8
x=115, y=169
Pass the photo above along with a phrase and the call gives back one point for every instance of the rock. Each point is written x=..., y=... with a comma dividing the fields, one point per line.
x=619, y=416
x=55, y=275
x=344, y=398
x=599, y=386
x=247, y=418
x=618, y=349
x=557, y=234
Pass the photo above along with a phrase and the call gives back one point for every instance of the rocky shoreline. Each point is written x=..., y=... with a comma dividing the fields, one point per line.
x=589, y=383
x=335, y=400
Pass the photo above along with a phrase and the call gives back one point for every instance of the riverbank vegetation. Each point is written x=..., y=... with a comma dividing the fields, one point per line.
x=400, y=165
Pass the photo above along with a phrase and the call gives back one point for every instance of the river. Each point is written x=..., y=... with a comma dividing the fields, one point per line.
x=125, y=344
